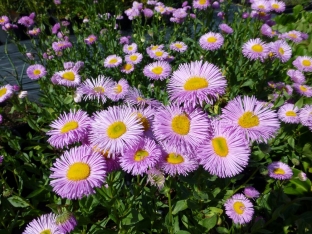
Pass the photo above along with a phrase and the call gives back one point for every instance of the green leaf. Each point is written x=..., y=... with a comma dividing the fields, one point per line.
x=307, y=150
x=36, y=192
x=182, y=232
x=296, y=186
x=133, y=217
x=17, y=201
x=248, y=83
x=299, y=103
x=297, y=9
x=291, y=142
x=222, y=230
x=209, y=223
x=180, y=205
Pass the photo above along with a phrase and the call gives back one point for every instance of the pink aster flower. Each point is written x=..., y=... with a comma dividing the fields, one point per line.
x=266, y=30
x=211, y=41
x=245, y=116
x=305, y=115
x=179, y=13
x=139, y=158
x=158, y=54
x=303, y=63
x=255, y=49
x=293, y=35
x=153, y=48
x=261, y=6
x=280, y=171
x=96, y=88
x=172, y=125
x=4, y=20
x=277, y=6
x=34, y=32
x=42, y=224
x=119, y=90
x=130, y=49
x=225, y=28
x=251, y=192
x=56, y=27
x=124, y=40
x=178, y=46
x=161, y=9
x=145, y=116
x=77, y=172
x=288, y=113
x=196, y=82
x=69, y=78
x=159, y=70
x=132, y=13
x=69, y=128
x=296, y=76
x=112, y=61
x=148, y=13
x=281, y=50
x=115, y=129
x=134, y=58
x=127, y=68
x=135, y=97
x=6, y=92
x=26, y=21
x=239, y=209
x=36, y=71
x=61, y=45
x=90, y=39
x=201, y=4
x=303, y=90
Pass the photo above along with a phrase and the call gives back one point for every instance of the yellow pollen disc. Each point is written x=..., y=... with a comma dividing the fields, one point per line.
x=112, y=61
x=3, y=91
x=195, y=83
x=220, y=146
x=1, y=20
x=239, y=207
x=140, y=155
x=71, y=125
x=279, y=171
x=211, y=39
x=261, y=7
x=133, y=57
x=157, y=70
x=116, y=130
x=99, y=89
x=291, y=114
x=144, y=121
x=202, y=2
x=130, y=48
x=69, y=76
x=159, y=53
x=155, y=47
x=47, y=231
x=181, y=124
x=281, y=51
x=174, y=158
x=301, y=87
x=271, y=54
x=292, y=35
x=275, y=6
x=118, y=88
x=248, y=120
x=91, y=39
x=127, y=66
x=257, y=48
x=78, y=171
x=179, y=46
x=37, y=72
x=139, y=99
x=306, y=63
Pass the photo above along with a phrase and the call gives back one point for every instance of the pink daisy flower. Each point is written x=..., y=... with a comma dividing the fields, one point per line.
x=251, y=192
x=43, y=224
x=178, y=46
x=69, y=128
x=296, y=76
x=61, y=45
x=211, y=41
x=281, y=50
x=158, y=54
x=112, y=61
x=34, y=32
x=130, y=49
x=239, y=209
x=303, y=63
x=305, y=115
x=90, y=39
x=135, y=97
x=266, y=30
x=66, y=221
x=153, y=48
x=255, y=49
x=77, y=172
x=134, y=58
x=261, y=6
x=280, y=171
x=127, y=68
x=277, y=6
x=288, y=113
x=196, y=82
x=69, y=78
x=26, y=21
x=6, y=92
x=201, y=4
x=303, y=90
x=36, y=71
x=119, y=90
x=293, y=35
x=159, y=70
x=4, y=20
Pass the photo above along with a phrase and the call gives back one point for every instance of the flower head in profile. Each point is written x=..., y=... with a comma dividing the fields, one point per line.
x=239, y=209
x=196, y=82
x=135, y=97
x=280, y=171
x=251, y=192
x=34, y=32
x=305, y=115
x=69, y=128
x=158, y=70
x=77, y=172
x=44, y=224
x=211, y=41
x=145, y=116
x=303, y=63
x=115, y=129
x=266, y=30
x=255, y=49
x=225, y=28
x=90, y=39
x=156, y=177
x=61, y=45
x=65, y=221
x=178, y=46
x=6, y=92
x=289, y=113
x=293, y=35
x=296, y=76
x=4, y=20
x=36, y=71
x=303, y=90
x=26, y=21
x=112, y=61
x=249, y=118
x=119, y=90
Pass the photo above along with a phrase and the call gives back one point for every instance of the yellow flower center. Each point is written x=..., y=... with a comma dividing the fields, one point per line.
x=174, y=158
x=47, y=231
x=220, y=146
x=291, y=114
x=202, y=2
x=144, y=121
x=275, y=6
x=71, y=125
x=239, y=207
x=116, y=130
x=195, y=83
x=118, y=88
x=155, y=47
x=133, y=57
x=281, y=51
x=37, y=72
x=306, y=62
x=211, y=39
x=279, y=171
x=140, y=155
x=78, y=171
x=257, y=48
x=261, y=7
x=130, y=48
x=157, y=70
x=99, y=89
x=91, y=39
x=179, y=46
x=112, y=61
x=127, y=66
x=1, y=20
x=301, y=87
x=159, y=53
x=292, y=35
x=69, y=76
x=181, y=124
x=3, y=91
x=271, y=54
x=248, y=120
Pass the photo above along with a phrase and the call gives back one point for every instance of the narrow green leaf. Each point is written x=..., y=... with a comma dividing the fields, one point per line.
x=222, y=230
x=17, y=201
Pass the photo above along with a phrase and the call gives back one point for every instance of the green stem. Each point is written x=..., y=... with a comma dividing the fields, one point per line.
x=170, y=212
x=243, y=185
